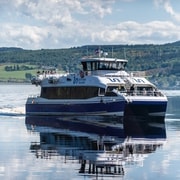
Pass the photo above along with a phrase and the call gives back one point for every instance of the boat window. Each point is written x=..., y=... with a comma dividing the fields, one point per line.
x=94, y=66
x=103, y=65
x=110, y=88
x=116, y=65
x=80, y=92
x=109, y=91
x=84, y=64
x=112, y=66
x=101, y=92
x=89, y=66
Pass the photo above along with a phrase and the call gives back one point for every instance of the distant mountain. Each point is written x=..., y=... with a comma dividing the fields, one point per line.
x=10, y=49
x=160, y=62
x=176, y=43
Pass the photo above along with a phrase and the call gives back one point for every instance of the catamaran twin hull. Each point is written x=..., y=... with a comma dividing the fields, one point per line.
x=96, y=108
x=102, y=88
x=140, y=107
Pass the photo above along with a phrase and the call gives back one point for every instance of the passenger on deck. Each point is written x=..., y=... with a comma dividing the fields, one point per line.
x=122, y=89
x=144, y=92
x=132, y=90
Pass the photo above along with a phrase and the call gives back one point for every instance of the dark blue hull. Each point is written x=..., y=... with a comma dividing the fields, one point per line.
x=146, y=108
x=145, y=118
x=111, y=108
x=135, y=119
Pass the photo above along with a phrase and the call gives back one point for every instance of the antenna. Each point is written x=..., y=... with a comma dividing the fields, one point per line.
x=112, y=52
x=124, y=53
x=99, y=51
x=87, y=51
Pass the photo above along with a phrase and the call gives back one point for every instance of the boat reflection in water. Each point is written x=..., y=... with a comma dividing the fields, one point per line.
x=96, y=153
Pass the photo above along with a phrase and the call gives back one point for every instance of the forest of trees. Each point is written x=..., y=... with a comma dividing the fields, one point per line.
x=160, y=62
x=17, y=68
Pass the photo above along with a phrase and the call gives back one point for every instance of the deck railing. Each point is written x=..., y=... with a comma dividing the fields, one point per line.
x=142, y=93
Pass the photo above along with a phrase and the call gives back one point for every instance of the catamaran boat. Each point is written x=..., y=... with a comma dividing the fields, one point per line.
x=87, y=93
x=102, y=89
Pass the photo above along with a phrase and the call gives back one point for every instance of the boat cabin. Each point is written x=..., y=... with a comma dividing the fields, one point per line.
x=108, y=64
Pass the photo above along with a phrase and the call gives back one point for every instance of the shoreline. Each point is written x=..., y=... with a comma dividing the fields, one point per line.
x=29, y=83
x=14, y=83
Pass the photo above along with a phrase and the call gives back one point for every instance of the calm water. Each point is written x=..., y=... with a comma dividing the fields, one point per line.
x=35, y=151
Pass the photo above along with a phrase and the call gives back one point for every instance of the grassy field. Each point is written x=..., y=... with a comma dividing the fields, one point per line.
x=17, y=76
x=10, y=75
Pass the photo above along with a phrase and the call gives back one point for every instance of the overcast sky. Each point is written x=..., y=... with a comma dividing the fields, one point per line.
x=49, y=24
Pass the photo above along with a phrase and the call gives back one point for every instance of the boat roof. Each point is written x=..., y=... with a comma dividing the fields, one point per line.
x=140, y=81
x=69, y=80
x=92, y=59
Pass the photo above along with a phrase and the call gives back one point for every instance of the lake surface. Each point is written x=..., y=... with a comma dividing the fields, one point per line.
x=32, y=148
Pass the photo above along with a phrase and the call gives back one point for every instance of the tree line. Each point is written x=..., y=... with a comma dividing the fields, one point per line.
x=17, y=68
x=161, y=62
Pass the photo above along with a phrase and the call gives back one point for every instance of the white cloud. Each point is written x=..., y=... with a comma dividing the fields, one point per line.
x=53, y=11
x=16, y=34
x=168, y=8
x=38, y=24
x=100, y=7
x=133, y=32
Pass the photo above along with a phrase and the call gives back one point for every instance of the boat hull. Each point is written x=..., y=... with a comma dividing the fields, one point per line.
x=153, y=108
x=82, y=108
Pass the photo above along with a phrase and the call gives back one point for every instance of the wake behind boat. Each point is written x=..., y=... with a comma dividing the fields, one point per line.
x=102, y=88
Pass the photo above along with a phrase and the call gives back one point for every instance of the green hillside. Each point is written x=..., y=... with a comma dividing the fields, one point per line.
x=160, y=62
x=17, y=75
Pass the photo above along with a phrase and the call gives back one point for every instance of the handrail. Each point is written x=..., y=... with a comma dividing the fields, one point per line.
x=142, y=93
